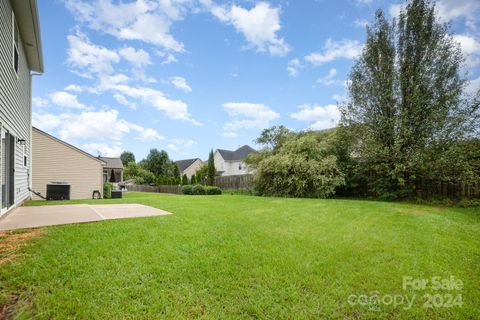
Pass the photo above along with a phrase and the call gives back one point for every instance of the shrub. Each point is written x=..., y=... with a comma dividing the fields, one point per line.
x=107, y=190
x=187, y=189
x=213, y=190
x=198, y=189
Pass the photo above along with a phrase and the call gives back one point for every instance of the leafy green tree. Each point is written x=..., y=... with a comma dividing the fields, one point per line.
x=202, y=174
x=303, y=166
x=211, y=169
x=176, y=174
x=193, y=179
x=273, y=138
x=127, y=157
x=407, y=95
x=158, y=163
x=184, y=180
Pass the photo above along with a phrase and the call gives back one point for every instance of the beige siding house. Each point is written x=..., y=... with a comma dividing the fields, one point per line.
x=54, y=160
x=20, y=55
x=189, y=166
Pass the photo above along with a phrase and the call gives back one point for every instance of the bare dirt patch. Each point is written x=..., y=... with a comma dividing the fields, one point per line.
x=12, y=241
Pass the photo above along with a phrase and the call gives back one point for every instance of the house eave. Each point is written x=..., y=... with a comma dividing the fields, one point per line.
x=26, y=14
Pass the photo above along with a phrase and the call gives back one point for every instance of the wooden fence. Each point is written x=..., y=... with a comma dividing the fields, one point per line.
x=162, y=189
x=458, y=190
x=237, y=182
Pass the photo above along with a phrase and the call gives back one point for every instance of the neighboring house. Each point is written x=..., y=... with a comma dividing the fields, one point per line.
x=54, y=160
x=20, y=55
x=228, y=163
x=189, y=166
x=113, y=169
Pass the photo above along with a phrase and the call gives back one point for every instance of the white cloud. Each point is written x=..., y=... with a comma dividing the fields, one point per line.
x=138, y=58
x=150, y=134
x=473, y=86
x=470, y=48
x=293, y=67
x=259, y=25
x=180, y=83
x=247, y=115
x=65, y=99
x=39, y=102
x=360, y=23
x=89, y=58
x=332, y=50
x=329, y=78
x=73, y=87
x=104, y=125
x=169, y=58
x=394, y=10
x=180, y=144
x=320, y=117
x=103, y=149
x=174, y=109
x=142, y=20
x=364, y=2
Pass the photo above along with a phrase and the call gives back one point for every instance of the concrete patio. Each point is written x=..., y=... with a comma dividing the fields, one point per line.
x=49, y=215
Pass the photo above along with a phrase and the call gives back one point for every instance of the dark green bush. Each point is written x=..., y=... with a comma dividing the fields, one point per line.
x=107, y=190
x=198, y=189
x=213, y=190
x=187, y=189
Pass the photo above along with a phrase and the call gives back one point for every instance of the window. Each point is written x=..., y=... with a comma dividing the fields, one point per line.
x=15, y=43
x=240, y=167
x=25, y=159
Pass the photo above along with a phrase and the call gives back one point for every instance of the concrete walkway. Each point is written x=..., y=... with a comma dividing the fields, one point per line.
x=32, y=217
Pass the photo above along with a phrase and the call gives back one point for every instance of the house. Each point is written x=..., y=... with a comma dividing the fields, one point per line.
x=54, y=160
x=20, y=58
x=113, y=169
x=189, y=166
x=228, y=163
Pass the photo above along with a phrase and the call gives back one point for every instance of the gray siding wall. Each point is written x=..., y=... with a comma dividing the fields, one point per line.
x=15, y=99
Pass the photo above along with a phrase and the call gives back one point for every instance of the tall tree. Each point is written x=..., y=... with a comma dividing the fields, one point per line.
x=127, y=157
x=406, y=95
x=211, y=169
x=158, y=163
x=176, y=173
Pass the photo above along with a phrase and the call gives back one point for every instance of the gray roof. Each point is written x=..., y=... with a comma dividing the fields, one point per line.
x=112, y=163
x=184, y=164
x=237, y=155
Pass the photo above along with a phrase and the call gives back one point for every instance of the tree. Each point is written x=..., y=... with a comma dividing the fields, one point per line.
x=273, y=138
x=112, y=176
x=406, y=95
x=176, y=174
x=202, y=174
x=158, y=163
x=303, y=166
x=193, y=179
x=184, y=180
x=127, y=157
x=211, y=169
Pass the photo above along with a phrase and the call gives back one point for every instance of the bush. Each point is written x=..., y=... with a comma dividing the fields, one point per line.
x=198, y=189
x=107, y=190
x=187, y=189
x=213, y=190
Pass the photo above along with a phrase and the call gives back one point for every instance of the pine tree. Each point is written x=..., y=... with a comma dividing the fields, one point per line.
x=211, y=169
x=184, y=180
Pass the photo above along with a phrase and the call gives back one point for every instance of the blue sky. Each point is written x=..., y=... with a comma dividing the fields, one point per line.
x=188, y=76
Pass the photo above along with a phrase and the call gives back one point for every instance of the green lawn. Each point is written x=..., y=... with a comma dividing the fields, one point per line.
x=235, y=257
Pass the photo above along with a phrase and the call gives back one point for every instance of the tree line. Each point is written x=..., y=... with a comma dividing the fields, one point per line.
x=157, y=168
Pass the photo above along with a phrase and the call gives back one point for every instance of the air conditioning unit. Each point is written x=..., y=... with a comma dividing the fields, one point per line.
x=58, y=191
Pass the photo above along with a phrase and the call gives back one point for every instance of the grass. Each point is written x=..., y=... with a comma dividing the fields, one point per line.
x=244, y=257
